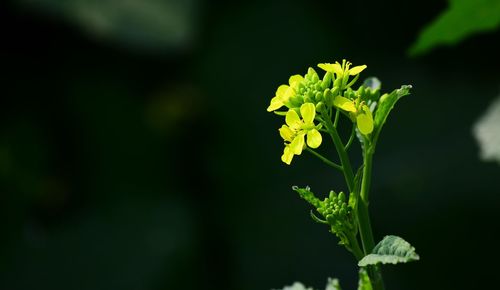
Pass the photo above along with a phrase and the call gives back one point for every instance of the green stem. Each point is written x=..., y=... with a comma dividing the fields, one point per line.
x=355, y=248
x=344, y=158
x=325, y=160
x=351, y=138
x=365, y=228
x=364, y=217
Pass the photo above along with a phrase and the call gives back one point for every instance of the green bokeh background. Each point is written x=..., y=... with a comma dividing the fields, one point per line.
x=138, y=154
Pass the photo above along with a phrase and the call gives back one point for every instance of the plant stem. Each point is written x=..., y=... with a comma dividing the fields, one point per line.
x=365, y=228
x=351, y=138
x=344, y=158
x=354, y=248
x=325, y=160
x=339, y=146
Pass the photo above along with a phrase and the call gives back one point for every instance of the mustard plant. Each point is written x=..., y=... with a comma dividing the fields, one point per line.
x=313, y=107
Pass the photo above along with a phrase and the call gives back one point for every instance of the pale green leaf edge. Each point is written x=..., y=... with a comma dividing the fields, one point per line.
x=391, y=250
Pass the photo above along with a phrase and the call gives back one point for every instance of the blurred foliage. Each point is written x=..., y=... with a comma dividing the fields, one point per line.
x=462, y=19
x=487, y=132
x=146, y=24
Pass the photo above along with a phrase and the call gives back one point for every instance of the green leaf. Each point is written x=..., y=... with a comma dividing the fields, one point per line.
x=364, y=282
x=487, y=132
x=307, y=194
x=296, y=286
x=462, y=19
x=333, y=284
x=149, y=25
x=385, y=105
x=391, y=250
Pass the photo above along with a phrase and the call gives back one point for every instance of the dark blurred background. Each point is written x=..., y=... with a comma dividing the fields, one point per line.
x=136, y=151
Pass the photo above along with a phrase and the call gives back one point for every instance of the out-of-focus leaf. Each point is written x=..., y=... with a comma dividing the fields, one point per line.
x=145, y=24
x=333, y=284
x=391, y=250
x=462, y=19
x=487, y=133
x=296, y=286
x=364, y=282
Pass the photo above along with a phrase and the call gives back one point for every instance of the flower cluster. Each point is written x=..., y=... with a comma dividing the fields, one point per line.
x=308, y=99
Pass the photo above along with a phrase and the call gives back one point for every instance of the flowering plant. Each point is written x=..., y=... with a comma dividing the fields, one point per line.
x=313, y=107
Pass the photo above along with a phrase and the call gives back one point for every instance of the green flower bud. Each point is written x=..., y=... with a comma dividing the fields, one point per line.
x=327, y=80
x=335, y=91
x=337, y=83
x=342, y=196
x=315, y=78
x=350, y=94
x=320, y=107
x=310, y=95
x=345, y=79
x=328, y=97
x=297, y=100
x=318, y=96
x=363, y=92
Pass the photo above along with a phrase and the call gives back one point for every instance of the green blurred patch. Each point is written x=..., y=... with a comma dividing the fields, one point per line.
x=145, y=24
x=462, y=19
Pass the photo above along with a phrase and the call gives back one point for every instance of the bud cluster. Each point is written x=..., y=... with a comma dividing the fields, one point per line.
x=335, y=210
x=338, y=214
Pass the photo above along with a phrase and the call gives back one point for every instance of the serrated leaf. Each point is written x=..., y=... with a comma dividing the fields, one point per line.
x=307, y=195
x=462, y=19
x=364, y=282
x=385, y=106
x=391, y=250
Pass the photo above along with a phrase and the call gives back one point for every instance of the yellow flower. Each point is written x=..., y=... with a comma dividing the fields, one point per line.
x=364, y=118
x=285, y=92
x=341, y=70
x=297, y=129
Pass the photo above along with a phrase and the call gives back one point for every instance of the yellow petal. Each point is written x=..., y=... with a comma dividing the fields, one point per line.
x=281, y=90
x=292, y=119
x=286, y=133
x=344, y=104
x=337, y=68
x=328, y=67
x=295, y=80
x=357, y=69
x=287, y=155
x=314, y=138
x=297, y=144
x=308, y=112
x=276, y=103
x=289, y=92
x=365, y=123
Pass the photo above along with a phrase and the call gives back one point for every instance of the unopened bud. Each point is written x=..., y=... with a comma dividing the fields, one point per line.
x=320, y=107
x=342, y=196
x=327, y=80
